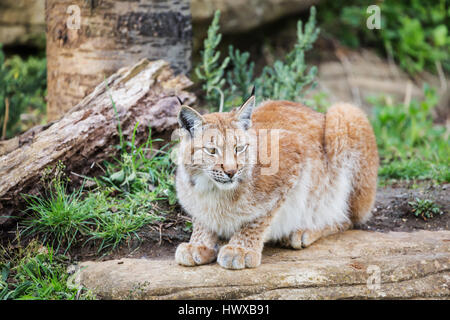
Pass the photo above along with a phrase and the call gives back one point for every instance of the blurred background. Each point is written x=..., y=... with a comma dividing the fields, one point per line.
x=354, y=63
x=100, y=184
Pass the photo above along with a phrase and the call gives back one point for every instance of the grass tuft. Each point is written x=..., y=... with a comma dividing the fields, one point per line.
x=132, y=193
x=35, y=272
x=60, y=217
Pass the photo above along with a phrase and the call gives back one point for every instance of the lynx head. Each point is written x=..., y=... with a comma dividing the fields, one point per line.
x=217, y=146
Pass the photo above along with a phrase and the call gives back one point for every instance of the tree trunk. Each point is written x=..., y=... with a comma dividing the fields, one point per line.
x=87, y=134
x=89, y=40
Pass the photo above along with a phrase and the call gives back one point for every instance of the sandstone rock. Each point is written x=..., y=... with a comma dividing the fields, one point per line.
x=243, y=15
x=355, y=264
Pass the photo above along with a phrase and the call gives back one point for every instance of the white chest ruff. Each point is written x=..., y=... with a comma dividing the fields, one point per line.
x=215, y=209
x=304, y=208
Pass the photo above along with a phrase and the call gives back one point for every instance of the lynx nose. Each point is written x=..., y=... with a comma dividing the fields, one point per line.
x=230, y=173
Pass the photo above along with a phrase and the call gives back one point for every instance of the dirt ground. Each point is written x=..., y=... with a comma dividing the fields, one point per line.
x=391, y=213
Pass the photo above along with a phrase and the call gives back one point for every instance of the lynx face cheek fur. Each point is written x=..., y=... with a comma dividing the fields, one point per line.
x=279, y=172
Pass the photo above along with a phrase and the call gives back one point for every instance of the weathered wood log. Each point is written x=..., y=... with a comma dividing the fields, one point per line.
x=145, y=93
x=88, y=40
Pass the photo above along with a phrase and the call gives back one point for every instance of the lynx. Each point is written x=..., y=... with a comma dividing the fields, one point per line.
x=321, y=178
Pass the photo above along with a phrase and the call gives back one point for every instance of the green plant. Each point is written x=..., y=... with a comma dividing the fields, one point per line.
x=239, y=78
x=424, y=208
x=410, y=145
x=142, y=168
x=286, y=79
x=210, y=71
x=118, y=219
x=22, y=88
x=136, y=189
x=126, y=199
x=61, y=218
x=415, y=33
x=142, y=177
x=133, y=193
x=34, y=272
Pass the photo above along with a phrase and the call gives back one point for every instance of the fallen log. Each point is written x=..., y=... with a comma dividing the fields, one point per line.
x=86, y=135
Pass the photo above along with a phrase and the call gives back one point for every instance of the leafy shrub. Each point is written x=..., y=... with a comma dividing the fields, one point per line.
x=210, y=71
x=410, y=145
x=23, y=84
x=424, y=208
x=414, y=32
x=230, y=80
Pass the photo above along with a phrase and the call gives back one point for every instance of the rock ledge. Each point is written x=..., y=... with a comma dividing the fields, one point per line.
x=355, y=264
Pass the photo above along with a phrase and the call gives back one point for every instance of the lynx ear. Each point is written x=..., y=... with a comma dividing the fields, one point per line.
x=244, y=114
x=189, y=119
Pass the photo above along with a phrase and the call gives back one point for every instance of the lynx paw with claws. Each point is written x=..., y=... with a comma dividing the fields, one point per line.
x=235, y=257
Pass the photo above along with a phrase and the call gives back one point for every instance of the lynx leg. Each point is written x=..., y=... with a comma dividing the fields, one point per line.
x=295, y=239
x=201, y=249
x=304, y=238
x=245, y=247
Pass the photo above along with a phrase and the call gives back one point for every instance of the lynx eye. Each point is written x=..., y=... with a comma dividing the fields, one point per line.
x=210, y=151
x=240, y=149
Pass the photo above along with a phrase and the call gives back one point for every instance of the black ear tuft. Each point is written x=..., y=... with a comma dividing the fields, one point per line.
x=253, y=91
x=179, y=100
x=189, y=119
x=244, y=114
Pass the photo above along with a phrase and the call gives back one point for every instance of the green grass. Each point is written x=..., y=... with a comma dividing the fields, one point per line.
x=135, y=190
x=410, y=145
x=34, y=272
x=119, y=218
x=60, y=218
x=141, y=168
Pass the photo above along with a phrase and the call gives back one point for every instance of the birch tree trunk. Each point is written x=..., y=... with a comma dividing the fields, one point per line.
x=88, y=40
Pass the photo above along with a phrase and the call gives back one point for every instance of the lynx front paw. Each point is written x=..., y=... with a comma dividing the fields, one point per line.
x=189, y=254
x=301, y=239
x=235, y=257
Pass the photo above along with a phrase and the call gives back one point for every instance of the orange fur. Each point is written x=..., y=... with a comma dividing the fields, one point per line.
x=326, y=180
